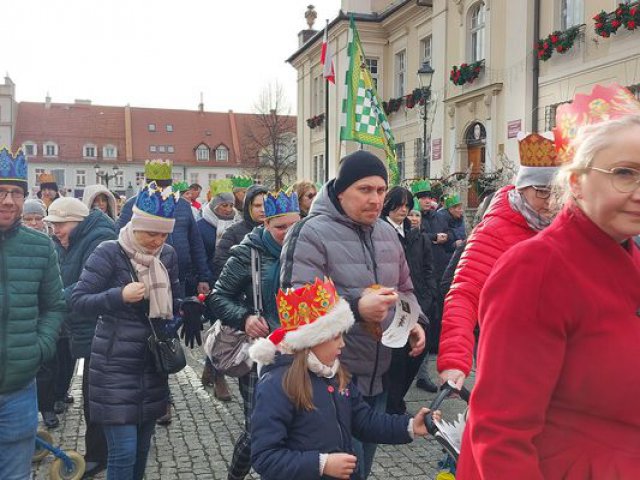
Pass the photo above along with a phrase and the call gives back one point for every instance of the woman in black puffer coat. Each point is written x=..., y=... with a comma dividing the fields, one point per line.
x=126, y=392
x=417, y=249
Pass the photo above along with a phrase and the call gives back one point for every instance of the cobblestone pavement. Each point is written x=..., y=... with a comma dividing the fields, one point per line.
x=199, y=442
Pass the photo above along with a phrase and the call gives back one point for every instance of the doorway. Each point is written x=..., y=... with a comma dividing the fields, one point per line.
x=476, y=139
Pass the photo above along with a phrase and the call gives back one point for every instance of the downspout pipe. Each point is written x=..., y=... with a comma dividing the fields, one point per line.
x=536, y=67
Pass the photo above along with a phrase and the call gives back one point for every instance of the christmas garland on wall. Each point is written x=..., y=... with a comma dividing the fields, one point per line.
x=557, y=41
x=465, y=73
x=409, y=101
x=316, y=121
x=627, y=15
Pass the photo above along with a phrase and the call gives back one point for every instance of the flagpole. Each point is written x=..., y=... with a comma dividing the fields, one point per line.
x=326, y=130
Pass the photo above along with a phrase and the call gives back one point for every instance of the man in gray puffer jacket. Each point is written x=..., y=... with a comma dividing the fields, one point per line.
x=343, y=238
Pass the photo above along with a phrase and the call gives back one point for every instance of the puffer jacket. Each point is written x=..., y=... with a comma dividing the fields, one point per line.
x=328, y=243
x=501, y=228
x=432, y=224
x=287, y=443
x=31, y=305
x=91, y=232
x=124, y=386
x=236, y=232
x=232, y=297
x=185, y=239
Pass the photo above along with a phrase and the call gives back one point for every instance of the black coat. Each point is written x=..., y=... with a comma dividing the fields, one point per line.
x=432, y=224
x=124, y=387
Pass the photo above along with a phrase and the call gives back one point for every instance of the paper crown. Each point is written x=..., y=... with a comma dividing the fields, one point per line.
x=452, y=200
x=241, y=181
x=158, y=169
x=157, y=201
x=13, y=167
x=421, y=186
x=46, y=178
x=537, y=151
x=280, y=204
x=217, y=187
x=180, y=187
x=309, y=316
x=602, y=104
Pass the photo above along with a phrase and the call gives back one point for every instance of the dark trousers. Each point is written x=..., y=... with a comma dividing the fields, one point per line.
x=66, y=367
x=54, y=377
x=400, y=376
x=95, y=443
x=241, y=461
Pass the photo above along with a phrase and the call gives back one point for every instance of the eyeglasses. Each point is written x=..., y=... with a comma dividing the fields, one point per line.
x=542, y=192
x=14, y=194
x=623, y=179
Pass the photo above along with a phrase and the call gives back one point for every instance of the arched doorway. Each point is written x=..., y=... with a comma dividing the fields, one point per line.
x=476, y=139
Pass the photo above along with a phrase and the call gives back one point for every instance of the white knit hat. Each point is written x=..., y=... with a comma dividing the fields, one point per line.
x=66, y=209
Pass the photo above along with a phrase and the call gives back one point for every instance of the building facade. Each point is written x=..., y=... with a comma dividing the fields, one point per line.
x=490, y=82
x=8, y=111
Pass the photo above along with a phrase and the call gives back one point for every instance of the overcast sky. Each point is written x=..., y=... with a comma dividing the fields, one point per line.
x=160, y=53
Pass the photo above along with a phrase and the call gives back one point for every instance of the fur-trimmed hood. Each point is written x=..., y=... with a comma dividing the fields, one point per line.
x=92, y=191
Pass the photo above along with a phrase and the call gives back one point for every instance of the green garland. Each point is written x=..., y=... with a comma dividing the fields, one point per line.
x=557, y=41
x=316, y=121
x=465, y=73
x=627, y=15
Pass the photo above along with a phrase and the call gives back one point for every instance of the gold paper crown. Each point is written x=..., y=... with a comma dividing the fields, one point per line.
x=222, y=185
x=306, y=304
x=537, y=151
x=47, y=178
x=158, y=169
x=602, y=104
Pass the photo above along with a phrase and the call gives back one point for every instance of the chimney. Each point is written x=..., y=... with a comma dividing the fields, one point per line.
x=82, y=101
x=201, y=104
x=304, y=35
x=47, y=101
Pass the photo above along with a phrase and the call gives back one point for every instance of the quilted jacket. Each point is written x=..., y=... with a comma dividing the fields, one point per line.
x=501, y=228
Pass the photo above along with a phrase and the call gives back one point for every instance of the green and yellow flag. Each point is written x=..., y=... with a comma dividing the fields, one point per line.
x=365, y=120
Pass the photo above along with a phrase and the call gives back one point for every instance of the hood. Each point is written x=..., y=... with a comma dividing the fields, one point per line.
x=252, y=191
x=326, y=203
x=93, y=226
x=280, y=361
x=253, y=239
x=92, y=191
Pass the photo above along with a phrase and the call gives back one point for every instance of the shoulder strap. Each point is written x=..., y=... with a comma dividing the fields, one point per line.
x=256, y=281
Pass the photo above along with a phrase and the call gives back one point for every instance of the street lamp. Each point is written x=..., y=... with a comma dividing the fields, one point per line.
x=104, y=176
x=425, y=77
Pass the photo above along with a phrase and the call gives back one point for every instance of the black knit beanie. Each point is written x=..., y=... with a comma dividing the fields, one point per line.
x=357, y=166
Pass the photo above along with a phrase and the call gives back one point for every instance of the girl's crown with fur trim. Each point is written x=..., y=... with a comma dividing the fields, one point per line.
x=281, y=204
x=157, y=201
x=305, y=305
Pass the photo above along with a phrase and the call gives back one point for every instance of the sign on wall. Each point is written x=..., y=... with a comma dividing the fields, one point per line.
x=436, y=149
x=513, y=127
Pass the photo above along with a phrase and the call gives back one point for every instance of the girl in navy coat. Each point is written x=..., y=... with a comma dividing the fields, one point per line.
x=306, y=407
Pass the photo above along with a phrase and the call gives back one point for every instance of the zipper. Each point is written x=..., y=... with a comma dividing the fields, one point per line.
x=375, y=367
x=335, y=411
x=5, y=309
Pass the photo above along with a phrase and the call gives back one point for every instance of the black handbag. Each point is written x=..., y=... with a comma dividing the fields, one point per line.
x=167, y=353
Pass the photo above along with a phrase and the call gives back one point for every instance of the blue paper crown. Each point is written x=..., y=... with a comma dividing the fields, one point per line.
x=157, y=201
x=13, y=167
x=281, y=204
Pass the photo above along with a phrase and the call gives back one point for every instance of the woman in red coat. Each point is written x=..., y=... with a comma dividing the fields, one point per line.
x=558, y=378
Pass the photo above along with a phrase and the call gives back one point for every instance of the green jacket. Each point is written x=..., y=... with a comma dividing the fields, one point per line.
x=31, y=305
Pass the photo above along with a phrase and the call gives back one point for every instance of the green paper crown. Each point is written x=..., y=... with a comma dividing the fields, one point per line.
x=241, y=181
x=416, y=205
x=157, y=170
x=216, y=187
x=452, y=200
x=180, y=187
x=420, y=186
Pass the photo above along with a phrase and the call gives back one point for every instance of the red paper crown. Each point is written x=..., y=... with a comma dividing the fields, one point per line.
x=537, y=151
x=602, y=104
x=306, y=304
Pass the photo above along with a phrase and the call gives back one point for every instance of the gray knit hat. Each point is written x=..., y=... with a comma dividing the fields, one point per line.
x=224, y=197
x=34, y=206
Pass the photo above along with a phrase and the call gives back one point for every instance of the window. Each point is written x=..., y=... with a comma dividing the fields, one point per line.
x=212, y=176
x=315, y=93
x=372, y=65
x=194, y=178
x=228, y=176
x=170, y=149
x=152, y=148
x=119, y=179
x=109, y=151
x=571, y=13
x=314, y=168
x=50, y=149
x=401, y=73
x=81, y=178
x=38, y=172
x=425, y=49
x=169, y=127
x=476, y=30
x=151, y=127
x=89, y=151
x=320, y=168
x=161, y=149
x=202, y=153
x=400, y=156
x=176, y=176
x=139, y=178
x=59, y=175
x=222, y=154
x=30, y=149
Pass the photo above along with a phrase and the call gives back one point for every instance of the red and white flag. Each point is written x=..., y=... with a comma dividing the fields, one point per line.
x=326, y=59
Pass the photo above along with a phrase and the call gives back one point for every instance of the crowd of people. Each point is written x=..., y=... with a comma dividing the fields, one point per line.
x=541, y=295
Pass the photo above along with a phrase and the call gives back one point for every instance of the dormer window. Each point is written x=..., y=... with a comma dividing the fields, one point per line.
x=50, y=149
x=151, y=127
x=89, y=151
x=222, y=154
x=109, y=151
x=30, y=148
x=202, y=153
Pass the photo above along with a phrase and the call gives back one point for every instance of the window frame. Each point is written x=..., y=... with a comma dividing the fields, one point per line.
x=477, y=32
x=169, y=127
x=81, y=173
x=427, y=40
x=45, y=149
x=88, y=148
x=200, y=151
x=371, y=63
x=33, y=145
x=572, y=13
x=400, y=73
x=219, y=150
x=105, y=151
x=151, y=127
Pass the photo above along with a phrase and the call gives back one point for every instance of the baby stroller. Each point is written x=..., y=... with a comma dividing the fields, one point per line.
x=448, y=435
x=68, y=465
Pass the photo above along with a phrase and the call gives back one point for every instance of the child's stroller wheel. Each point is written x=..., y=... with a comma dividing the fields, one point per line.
x=41, y=452
x=60, y=472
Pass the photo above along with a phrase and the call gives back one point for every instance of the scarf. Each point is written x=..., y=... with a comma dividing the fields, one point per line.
x=220, y=223
x=535, y=221
x=152, y=272
x=272, y=279
x=320, y=369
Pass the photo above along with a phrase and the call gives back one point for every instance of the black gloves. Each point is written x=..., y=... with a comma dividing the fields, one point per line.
x=192, y=310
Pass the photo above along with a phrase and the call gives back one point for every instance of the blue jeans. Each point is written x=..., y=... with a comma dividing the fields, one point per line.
x=128, y=449
x=366, y=451
x=18, y=428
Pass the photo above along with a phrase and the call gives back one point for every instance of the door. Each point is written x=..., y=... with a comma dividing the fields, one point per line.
x=475, y=157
